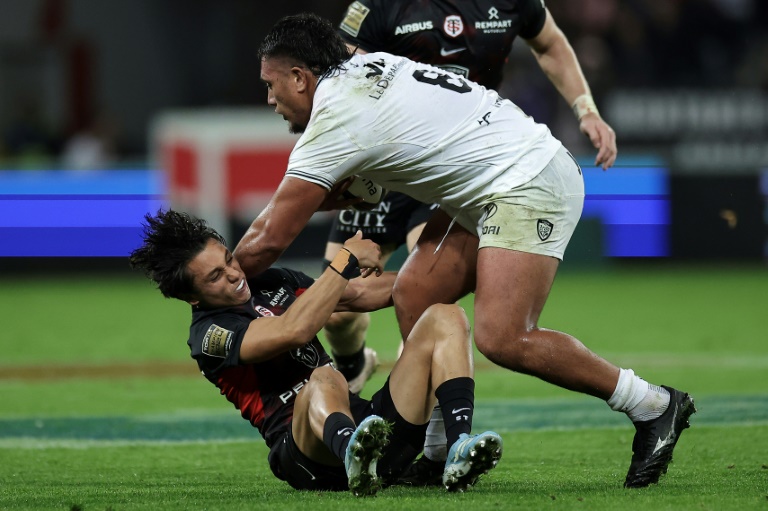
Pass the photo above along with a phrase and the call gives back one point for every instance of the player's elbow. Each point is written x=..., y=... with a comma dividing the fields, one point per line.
x=299, y=333
x=258, y=250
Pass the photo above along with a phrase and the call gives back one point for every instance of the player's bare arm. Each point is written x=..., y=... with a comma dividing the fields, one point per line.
x=301, y=322
x=287, y=213
x=558, y=61
x=367, y=295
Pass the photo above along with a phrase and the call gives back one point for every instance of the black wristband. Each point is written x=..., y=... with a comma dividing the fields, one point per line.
x=345, y=264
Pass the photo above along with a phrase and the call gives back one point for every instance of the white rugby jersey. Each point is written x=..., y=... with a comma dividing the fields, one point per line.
x=419, y=130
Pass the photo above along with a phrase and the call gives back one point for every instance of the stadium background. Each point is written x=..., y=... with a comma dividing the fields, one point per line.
x=670, y=257
x=683, y=84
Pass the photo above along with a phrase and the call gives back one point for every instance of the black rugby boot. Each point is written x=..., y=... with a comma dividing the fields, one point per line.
x=656, y=439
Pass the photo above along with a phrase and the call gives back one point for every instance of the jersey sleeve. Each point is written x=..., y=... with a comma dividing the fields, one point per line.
x=216, y=344
x=533, y=14
x=366, y=25
x=325, y=152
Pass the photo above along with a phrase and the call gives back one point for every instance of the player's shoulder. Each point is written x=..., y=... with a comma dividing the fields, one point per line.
x=213, y=333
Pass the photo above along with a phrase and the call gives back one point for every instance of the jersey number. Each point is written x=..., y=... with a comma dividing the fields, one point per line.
x=442, y=80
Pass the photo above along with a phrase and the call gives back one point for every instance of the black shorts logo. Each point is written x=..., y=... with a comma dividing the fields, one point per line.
x=544, y=229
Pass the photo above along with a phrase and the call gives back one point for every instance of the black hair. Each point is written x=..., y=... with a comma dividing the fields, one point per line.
x=171, y=240
x=309, y=40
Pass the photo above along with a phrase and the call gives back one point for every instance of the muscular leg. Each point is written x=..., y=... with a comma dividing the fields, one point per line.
x=506, y=324
x=437, y=350
x=427, y=277
x=325, y=393
x=437, y=365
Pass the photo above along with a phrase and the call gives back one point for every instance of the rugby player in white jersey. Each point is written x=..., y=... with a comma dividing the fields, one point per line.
x=510, y=196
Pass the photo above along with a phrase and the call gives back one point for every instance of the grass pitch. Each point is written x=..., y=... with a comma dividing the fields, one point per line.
x=102, y=408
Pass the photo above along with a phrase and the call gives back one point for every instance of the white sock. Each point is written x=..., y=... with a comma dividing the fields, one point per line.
x=435, y=443
x=637, y=398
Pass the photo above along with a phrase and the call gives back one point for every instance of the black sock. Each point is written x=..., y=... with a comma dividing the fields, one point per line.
x=337, y=430
x=457, y=402
x=350, y=365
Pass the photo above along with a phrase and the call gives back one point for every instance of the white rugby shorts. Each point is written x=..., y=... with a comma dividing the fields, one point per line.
x=539, y=216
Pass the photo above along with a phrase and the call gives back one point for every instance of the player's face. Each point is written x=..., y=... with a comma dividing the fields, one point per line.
x=217, y=277
x=289, y=91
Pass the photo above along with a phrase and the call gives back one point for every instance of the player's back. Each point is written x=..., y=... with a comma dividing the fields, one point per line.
x=420, y=130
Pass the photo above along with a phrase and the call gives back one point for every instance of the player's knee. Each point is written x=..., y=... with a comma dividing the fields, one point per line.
x=443, y=328
x=505, y=349
x=343, y=322
x=447, y=320
x=324, y=378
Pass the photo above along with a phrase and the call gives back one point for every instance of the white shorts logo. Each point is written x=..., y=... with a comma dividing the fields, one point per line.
x=544, y=228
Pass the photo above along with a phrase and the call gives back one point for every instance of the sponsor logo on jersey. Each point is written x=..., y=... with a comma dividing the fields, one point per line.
x=263, y=311
x=217, y=341
x=293, y=392
x=307, y=355
x=372, y=222
x=446, y=53
x=382, y=79
x=354, y=18
x=453, y=26
x=544, y=229
x=279, y=297
x=410, y=28
x=494, y=25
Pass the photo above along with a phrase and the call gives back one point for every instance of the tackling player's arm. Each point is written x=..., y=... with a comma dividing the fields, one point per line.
x=366, y=295
x=557, y=59
x=269, y=336
x=289, y=210
x=287, y=213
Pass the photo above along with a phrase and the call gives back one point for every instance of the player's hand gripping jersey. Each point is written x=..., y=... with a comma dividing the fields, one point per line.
x=422, y=131
x=264, y=392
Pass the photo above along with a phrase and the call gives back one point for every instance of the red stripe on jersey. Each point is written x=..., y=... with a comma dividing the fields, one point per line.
x=240, y=385
x=300, y=291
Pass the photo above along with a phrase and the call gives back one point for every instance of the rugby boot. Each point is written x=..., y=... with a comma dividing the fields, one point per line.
x=656, y=439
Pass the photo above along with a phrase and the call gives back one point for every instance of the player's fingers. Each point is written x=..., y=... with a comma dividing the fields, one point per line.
x=607, y=154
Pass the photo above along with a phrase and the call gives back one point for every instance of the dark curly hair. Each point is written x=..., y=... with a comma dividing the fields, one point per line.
x=171, y=240
x=308, y=39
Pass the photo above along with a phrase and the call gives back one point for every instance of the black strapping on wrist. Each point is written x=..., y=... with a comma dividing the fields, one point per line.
x=345, y=264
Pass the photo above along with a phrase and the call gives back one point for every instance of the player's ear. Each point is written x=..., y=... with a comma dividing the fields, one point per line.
x=191, y=298
x=301, y=77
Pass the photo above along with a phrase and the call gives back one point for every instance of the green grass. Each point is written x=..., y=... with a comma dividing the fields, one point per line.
x=160, y=437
